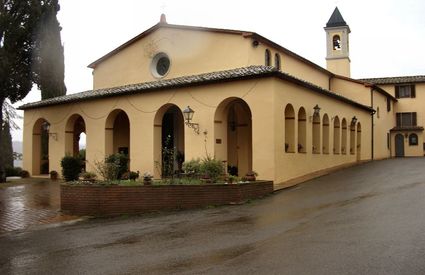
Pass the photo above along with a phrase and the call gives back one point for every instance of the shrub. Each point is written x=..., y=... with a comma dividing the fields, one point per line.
x=13, y=171
x=89, y=176
x=71, y=168
x=130, y=175
x=212, y=167
x=108, y=171
x=192, y=167
x=25, y=174
x=119, y=160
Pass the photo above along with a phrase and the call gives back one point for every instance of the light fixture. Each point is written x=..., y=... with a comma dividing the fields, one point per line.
x=188, y=115
x=46, y=127
x=354, y=120
x=316, y=110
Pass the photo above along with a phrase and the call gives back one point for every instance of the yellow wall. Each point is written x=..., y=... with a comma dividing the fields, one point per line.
x=384, y=121
x=352, y=90
x=290, y=165
x=191, y=52
x=339, y=66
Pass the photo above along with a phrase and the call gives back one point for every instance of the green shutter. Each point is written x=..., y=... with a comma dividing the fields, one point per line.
x=412, y=91
x=397, y=91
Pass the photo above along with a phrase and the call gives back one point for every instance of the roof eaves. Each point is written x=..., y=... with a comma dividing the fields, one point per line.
x=188, y=81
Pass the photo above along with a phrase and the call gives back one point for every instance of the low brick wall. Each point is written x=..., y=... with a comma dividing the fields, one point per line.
x=115, y=200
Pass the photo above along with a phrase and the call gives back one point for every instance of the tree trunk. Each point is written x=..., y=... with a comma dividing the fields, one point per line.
x=2, y=172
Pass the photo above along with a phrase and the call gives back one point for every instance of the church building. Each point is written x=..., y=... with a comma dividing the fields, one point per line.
x=234, y=95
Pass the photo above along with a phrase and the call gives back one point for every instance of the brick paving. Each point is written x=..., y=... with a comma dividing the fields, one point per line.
x=30, y=202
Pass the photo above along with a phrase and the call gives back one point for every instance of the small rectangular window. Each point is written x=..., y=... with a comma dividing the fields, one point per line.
x=405, y=91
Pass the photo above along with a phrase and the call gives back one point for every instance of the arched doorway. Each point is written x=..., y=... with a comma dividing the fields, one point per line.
x=75, y=138
x=168, y=140
x=233, y=135
x=399, y=145
x=117, y=133
x=40, y=147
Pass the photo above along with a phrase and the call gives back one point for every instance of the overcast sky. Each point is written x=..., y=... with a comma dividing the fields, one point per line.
x=387, y=36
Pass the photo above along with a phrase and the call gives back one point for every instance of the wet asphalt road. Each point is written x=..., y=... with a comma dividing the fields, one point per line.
x=368, y=219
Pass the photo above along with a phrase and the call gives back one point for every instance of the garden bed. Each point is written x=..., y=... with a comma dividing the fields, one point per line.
x=110, y=200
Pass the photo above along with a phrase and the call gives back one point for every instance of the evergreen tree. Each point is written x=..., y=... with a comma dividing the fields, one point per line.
x=18, y=19
x=6, y=146
x=49, y=69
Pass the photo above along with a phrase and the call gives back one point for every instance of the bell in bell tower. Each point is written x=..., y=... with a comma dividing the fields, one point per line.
x=337, y=45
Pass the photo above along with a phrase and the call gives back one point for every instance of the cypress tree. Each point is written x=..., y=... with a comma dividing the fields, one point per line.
x=7, y=148
x=49, y=69
x=18, y=19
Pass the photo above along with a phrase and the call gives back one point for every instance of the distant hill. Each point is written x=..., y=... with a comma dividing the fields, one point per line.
x=17, y=147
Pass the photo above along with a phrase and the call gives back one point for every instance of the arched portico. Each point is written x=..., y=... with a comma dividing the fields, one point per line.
x=169, y=136
x=233, y=135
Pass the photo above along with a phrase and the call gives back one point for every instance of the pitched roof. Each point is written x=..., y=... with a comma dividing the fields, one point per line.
x=187, y=81
x=336, y=19
x=395, y=80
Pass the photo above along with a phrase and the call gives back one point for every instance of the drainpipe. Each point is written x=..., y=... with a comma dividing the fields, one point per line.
x=372, y=126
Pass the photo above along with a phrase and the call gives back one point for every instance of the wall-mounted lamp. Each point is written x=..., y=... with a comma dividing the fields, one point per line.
x=316, y=110
x=46, y=127
x=354, y=120
x=188, y=115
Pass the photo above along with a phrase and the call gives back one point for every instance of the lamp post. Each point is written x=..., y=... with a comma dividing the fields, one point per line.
x=354, y=120
x=188, y=115
x=316, y=110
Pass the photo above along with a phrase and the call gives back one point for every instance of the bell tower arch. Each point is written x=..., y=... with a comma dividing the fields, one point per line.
x=337, y=45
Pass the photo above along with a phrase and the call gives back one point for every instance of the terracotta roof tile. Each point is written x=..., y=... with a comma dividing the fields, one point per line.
x=395, y=80
x=185, y=81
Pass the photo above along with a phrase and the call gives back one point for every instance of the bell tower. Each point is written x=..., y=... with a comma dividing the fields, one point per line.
x=337, y=45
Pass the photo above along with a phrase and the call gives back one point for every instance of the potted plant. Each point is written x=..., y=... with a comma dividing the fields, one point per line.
x=147, y=178
x=54, y=175
x=206, y=178
x=89, y=176
x=300, y=147
x=251, y=176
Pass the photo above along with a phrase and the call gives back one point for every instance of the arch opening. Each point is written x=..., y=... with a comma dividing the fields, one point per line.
x=302, y=130
x=117, y=133
x=233, y=135
x=344, y=137
x=289, y=129
x=40, y=147
x=75, y=138
x=325, y=134
x=316, y=134
x=337, y=141
x=168, y=141
x=359, y=141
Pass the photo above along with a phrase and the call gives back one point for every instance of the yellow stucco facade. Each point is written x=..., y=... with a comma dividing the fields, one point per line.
x=258, y=105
